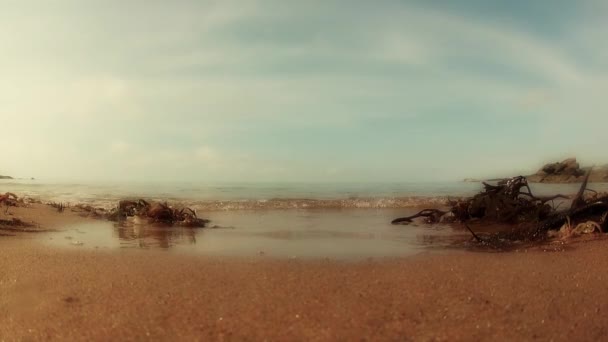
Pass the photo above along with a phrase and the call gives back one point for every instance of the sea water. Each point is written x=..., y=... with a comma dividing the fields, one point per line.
x=252, y=196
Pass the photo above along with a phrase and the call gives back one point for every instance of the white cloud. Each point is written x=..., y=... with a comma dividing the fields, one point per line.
x=164, y=92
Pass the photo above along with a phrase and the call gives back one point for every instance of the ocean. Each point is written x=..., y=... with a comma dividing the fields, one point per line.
x=252, y=196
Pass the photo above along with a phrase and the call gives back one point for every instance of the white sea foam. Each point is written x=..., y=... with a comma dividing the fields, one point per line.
x=265, y=196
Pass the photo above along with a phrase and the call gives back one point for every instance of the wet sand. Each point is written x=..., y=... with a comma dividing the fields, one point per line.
x=49, y=293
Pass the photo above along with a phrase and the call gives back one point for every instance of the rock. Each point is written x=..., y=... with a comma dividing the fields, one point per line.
x=6, y=177
x=559, y=168
x=568, y=166
x=569, y=161
x=550, y=168
x=567, y=171
x=573, y=170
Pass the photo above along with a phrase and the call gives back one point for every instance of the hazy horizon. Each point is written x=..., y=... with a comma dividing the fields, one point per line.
x=286, y=91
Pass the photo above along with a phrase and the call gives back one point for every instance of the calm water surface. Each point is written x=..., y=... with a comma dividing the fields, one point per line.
x=341, y=234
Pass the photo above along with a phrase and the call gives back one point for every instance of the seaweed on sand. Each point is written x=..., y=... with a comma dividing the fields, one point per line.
x=157, y=212
x=17, y=225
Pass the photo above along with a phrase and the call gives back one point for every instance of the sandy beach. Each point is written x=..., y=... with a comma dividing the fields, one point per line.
x=77, y=294
x=304, y=171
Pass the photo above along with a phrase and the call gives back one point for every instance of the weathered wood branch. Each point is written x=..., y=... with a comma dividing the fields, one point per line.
x=511, y=201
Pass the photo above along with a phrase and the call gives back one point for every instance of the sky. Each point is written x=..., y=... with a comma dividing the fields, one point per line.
x=300, y=91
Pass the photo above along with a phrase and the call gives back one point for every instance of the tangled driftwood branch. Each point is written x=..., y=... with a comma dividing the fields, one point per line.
x=9, y=199
x=431, y=216
x=511, y=201
x=156, y=212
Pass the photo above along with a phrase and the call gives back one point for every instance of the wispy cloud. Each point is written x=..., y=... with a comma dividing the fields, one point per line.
x=204, y=90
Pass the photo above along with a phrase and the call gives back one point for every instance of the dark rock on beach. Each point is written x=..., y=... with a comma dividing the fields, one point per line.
x=568, y=171
x=5, y=177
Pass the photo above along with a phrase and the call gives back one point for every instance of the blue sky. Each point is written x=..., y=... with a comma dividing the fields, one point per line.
x=300, y=90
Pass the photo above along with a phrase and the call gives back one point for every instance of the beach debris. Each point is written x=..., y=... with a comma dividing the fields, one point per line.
x=59, y=206
x=18, y=225
x=156, y=213
x=14, y=222
x=9, y=199
x=431, y=216
x=531, y=217
x=144, y=212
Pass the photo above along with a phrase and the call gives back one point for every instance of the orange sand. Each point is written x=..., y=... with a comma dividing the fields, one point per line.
x=87, y=295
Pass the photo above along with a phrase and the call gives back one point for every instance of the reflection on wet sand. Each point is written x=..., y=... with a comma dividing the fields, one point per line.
x=146, y=236
x=317, y=234
x=290, y=233
x=442, y=241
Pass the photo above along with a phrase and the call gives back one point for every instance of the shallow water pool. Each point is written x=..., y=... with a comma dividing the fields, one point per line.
x=341, y=234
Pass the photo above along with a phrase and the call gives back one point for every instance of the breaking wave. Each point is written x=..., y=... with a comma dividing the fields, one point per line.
x=271, y=204
x=297, y=203
x=267, y=197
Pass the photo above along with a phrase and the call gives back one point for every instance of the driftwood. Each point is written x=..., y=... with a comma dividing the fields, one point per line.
x=144, y=211
x=430, y=215
x=511, y=201
x=150, y=212
x=9, y=199
x=156, y=212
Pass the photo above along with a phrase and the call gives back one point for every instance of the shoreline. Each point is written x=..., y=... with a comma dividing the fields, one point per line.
x=233, y=198
x=290, y=233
